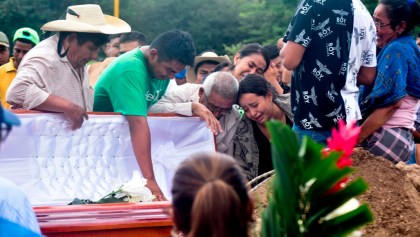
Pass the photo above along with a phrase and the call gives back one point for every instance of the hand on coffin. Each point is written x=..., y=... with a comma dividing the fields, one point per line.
x=75, y=115
x=154, y=188
x=205, y=114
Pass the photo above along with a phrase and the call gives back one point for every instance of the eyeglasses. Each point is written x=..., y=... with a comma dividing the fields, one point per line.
x=213, y=108
x=5, y=130
x=380, y=24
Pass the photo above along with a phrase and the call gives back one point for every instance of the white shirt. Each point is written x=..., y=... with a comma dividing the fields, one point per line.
x=362, y=53
x=179, y=100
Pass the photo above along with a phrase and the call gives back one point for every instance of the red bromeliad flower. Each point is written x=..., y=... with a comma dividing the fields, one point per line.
x=342, y=140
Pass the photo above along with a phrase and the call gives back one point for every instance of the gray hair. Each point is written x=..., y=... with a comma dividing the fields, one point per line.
x=221, y=83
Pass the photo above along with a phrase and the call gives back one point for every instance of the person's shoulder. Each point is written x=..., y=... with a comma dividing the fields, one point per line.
x=236, y=112
x=190, y=86
x=9, y=189
x=400, y=44
x=3, y=68
x=131, y=61
x=185, y=88
x=44, y=52
x=8, y=228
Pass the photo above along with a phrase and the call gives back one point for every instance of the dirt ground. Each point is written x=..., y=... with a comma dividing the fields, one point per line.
x=393, y=195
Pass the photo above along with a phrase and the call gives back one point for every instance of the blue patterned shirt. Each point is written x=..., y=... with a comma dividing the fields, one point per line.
x=15, y=207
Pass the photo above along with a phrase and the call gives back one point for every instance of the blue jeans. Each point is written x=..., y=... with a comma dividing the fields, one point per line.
x=318, y=136
x=412, y=159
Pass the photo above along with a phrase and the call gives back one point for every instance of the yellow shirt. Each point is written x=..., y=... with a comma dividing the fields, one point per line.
x=7, y=74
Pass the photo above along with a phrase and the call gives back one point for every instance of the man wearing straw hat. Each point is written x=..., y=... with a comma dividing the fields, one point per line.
x=53, y=75
x=204, y=65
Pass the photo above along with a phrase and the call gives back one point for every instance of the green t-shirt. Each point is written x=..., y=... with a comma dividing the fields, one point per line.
x=126, y=86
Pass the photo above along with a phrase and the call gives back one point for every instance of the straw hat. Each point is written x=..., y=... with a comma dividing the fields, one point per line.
x=88, y=18
x=206, y=56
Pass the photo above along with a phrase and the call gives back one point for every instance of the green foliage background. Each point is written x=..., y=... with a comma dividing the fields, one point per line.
x=220, y=25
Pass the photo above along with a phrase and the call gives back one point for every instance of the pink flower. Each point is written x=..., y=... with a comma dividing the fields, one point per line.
x=342, y=140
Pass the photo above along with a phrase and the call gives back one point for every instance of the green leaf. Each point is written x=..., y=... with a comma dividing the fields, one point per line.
x=110, y=199
x=321, y=206
x=300, y=202
x=347, y=223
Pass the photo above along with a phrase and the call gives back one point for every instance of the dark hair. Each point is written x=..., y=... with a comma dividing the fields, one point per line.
x=98, y=39
x=175, y=45
x=255, y=84
x=25, y=41
x=418, y=35
x=114, y=36
x=402, y=10
x=134, y=36
x=222, y=65
x=210, y=197
x=254, y=48
x=272, y=51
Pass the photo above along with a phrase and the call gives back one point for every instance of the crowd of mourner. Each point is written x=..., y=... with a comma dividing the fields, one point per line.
x=335, y=62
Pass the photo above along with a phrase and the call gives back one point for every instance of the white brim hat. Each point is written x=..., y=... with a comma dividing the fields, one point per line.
x=88, y=18
x=206, y=56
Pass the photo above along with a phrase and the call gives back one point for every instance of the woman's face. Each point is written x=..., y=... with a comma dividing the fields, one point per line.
x=384, y=31
x=251, y=64
x=257, y=108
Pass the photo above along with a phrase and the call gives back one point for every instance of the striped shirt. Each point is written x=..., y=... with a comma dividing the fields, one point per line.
x=15, y=207
x=42, y=72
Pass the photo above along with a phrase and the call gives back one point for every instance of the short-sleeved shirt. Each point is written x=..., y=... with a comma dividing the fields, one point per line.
x=362, y=53
x=324, y=28
x=7, y=74
x=127, y=87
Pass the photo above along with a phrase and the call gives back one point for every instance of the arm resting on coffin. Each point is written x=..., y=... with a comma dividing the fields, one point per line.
x=74, y=113
x=140, y=139
x=184, y=100
x=377, y=119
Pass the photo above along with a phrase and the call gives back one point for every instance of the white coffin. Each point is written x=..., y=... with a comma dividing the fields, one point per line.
x=53, y=165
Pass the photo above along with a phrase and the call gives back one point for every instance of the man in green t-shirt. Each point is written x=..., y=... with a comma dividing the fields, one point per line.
x=135, y=81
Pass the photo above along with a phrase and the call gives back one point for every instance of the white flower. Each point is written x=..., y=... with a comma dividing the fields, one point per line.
x=349, y=206
x=136, y=189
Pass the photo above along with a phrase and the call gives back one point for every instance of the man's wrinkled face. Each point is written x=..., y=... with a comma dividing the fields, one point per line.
x=79, y=55
x=216, y=103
